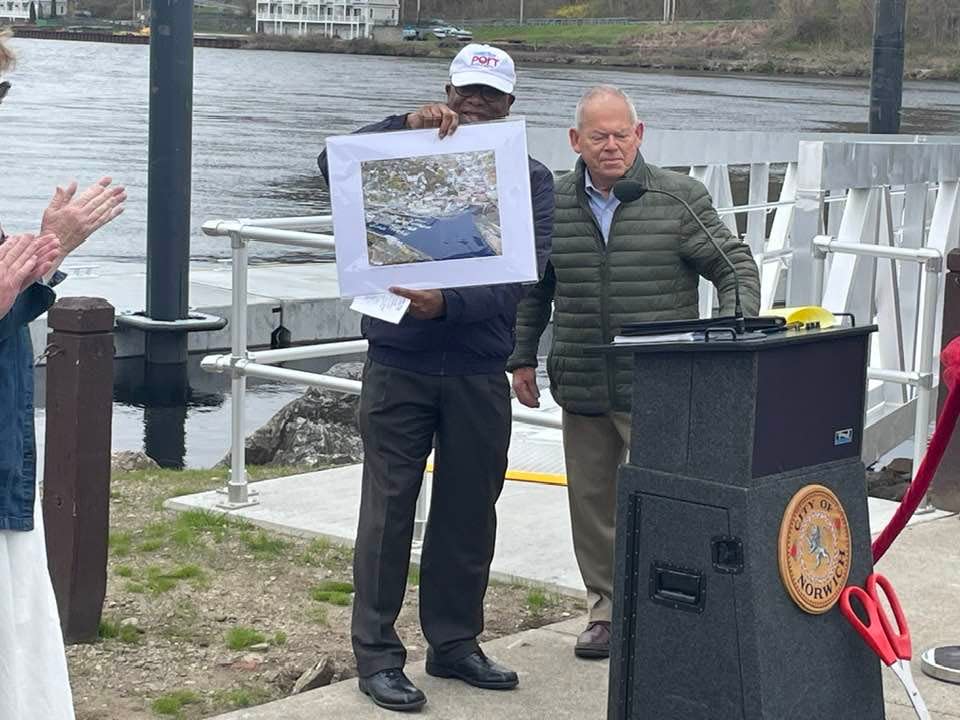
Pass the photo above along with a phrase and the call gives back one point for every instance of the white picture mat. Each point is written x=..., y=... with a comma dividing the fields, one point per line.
x=518, y=262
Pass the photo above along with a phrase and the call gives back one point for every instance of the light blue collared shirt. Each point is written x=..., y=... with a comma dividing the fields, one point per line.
x=601, y=207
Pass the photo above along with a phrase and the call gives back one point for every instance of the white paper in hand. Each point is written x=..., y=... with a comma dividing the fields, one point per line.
x=384, y=306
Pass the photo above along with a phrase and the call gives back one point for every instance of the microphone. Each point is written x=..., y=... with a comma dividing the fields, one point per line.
x=630, y=190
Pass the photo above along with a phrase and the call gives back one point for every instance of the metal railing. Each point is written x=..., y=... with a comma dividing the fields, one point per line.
x=920, y=210
x=921, y=378
x=243, y=363
x=314, y=18
x=310, y=232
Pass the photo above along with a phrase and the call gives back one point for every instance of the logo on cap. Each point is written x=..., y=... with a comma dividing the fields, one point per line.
x=814, y=549
x=485, y=59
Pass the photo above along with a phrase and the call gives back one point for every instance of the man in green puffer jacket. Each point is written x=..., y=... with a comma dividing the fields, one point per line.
x=613, y=264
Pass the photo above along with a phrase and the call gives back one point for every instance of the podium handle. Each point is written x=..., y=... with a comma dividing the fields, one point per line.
x=677, y=587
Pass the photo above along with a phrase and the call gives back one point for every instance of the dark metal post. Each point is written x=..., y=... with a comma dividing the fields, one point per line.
x=168, y=192
x=76, y=497
x=164, y=438
x=886, y=83
x=945, y=491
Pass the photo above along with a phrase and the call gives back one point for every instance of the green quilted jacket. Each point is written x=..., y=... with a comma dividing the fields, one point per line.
x=649, y=270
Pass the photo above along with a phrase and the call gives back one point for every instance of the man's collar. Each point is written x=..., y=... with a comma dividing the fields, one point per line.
x=588, y=182
x=638, y=171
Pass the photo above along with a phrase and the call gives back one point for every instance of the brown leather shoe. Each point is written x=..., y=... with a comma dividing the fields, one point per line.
x=594, y=642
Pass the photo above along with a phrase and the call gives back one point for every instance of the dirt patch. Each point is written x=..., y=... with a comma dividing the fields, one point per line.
x=734, y=35
x=203, y=615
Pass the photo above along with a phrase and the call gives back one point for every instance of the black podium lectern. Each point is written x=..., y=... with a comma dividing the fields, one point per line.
x=744, y=498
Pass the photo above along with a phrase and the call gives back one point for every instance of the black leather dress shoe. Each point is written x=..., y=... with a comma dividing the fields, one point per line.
x=475, y=669
x=391, y=689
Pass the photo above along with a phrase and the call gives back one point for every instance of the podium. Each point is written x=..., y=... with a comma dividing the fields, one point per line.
x=741, y=515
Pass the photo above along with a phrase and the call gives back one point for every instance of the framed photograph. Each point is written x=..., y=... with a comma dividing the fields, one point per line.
x=411, y=210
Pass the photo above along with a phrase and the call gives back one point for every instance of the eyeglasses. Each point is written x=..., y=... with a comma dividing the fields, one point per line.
x=4, y=89
x=490, y=94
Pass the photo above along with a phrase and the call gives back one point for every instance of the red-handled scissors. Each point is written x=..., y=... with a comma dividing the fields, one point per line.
x=893, y=646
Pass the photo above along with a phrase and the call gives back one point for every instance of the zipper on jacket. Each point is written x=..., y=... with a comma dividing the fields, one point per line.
x=605, y=313
x=604, y=292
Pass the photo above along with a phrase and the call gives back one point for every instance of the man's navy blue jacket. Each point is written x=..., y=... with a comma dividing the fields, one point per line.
x=476, y=334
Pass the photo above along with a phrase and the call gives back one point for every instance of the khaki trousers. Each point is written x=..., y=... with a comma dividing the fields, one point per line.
x=594, y=447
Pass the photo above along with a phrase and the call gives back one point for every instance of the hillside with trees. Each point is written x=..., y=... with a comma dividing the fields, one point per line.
x=845, y=22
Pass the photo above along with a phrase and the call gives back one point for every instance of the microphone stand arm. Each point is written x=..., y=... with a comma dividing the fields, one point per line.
x=741, y=327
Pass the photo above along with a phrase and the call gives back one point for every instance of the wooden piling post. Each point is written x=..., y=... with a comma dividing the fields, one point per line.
x=76, y=498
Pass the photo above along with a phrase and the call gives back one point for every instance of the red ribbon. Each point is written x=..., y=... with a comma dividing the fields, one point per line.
x=949, y=373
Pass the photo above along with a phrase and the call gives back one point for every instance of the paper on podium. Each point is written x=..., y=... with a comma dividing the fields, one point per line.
x=383, y=306
x=656, y=339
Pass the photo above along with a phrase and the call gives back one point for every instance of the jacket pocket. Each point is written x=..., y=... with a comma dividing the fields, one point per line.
x=554, y=370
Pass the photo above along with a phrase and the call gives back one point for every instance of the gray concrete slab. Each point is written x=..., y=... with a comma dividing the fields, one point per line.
x=533, y=534
x=533, y=537
x=922, y=565
x=551, y=686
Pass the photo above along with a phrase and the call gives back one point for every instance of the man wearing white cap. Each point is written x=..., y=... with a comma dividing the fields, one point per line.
x=440, y=372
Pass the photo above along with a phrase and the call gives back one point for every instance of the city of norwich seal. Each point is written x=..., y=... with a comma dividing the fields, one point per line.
x=814, y=549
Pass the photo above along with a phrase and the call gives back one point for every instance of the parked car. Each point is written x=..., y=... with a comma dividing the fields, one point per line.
x=451, y=32
x=435, y=28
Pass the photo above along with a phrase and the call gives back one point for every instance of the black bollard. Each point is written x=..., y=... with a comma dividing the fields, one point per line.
x=168, y=191
x=886, y=82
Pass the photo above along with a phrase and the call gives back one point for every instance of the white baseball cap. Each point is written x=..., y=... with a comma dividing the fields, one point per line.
x=479, y=64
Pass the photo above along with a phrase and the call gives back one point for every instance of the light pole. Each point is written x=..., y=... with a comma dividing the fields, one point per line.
x=521, y=12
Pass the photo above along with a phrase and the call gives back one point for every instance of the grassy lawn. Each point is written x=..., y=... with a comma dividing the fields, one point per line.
x=613, y=34
x=206, y=613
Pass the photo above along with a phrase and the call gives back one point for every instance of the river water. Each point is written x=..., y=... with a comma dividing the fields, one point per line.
x=79, y=110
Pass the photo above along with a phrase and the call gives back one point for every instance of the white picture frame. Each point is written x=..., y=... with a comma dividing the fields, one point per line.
x=384, y=242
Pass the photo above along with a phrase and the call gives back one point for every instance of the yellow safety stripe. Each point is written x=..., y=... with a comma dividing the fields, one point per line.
x=531, y=477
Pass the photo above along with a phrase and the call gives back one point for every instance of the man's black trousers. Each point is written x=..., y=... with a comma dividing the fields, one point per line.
x=400, y=412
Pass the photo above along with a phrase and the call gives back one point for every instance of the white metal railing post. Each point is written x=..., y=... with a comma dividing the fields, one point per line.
x=238, y=492
x=423, y=499
x=818, y=269
x=931, y=288
x=921, y=377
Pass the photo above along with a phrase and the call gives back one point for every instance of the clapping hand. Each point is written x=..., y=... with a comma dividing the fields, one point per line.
x=24, y=259
x=74, y=219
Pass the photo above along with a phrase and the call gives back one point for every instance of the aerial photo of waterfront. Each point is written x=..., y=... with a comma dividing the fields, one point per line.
x=431, y=208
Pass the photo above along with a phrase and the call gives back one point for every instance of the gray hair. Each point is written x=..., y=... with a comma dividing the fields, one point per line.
x=6, y=53
x=598, y=91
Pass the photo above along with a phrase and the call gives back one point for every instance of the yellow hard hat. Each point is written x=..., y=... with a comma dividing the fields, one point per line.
x=804, y=315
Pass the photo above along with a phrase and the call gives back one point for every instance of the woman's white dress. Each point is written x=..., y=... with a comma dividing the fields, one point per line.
x=34, y=684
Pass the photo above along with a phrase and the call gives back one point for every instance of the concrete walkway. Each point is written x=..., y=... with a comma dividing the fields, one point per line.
x=924, y=567
x=534, y=544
